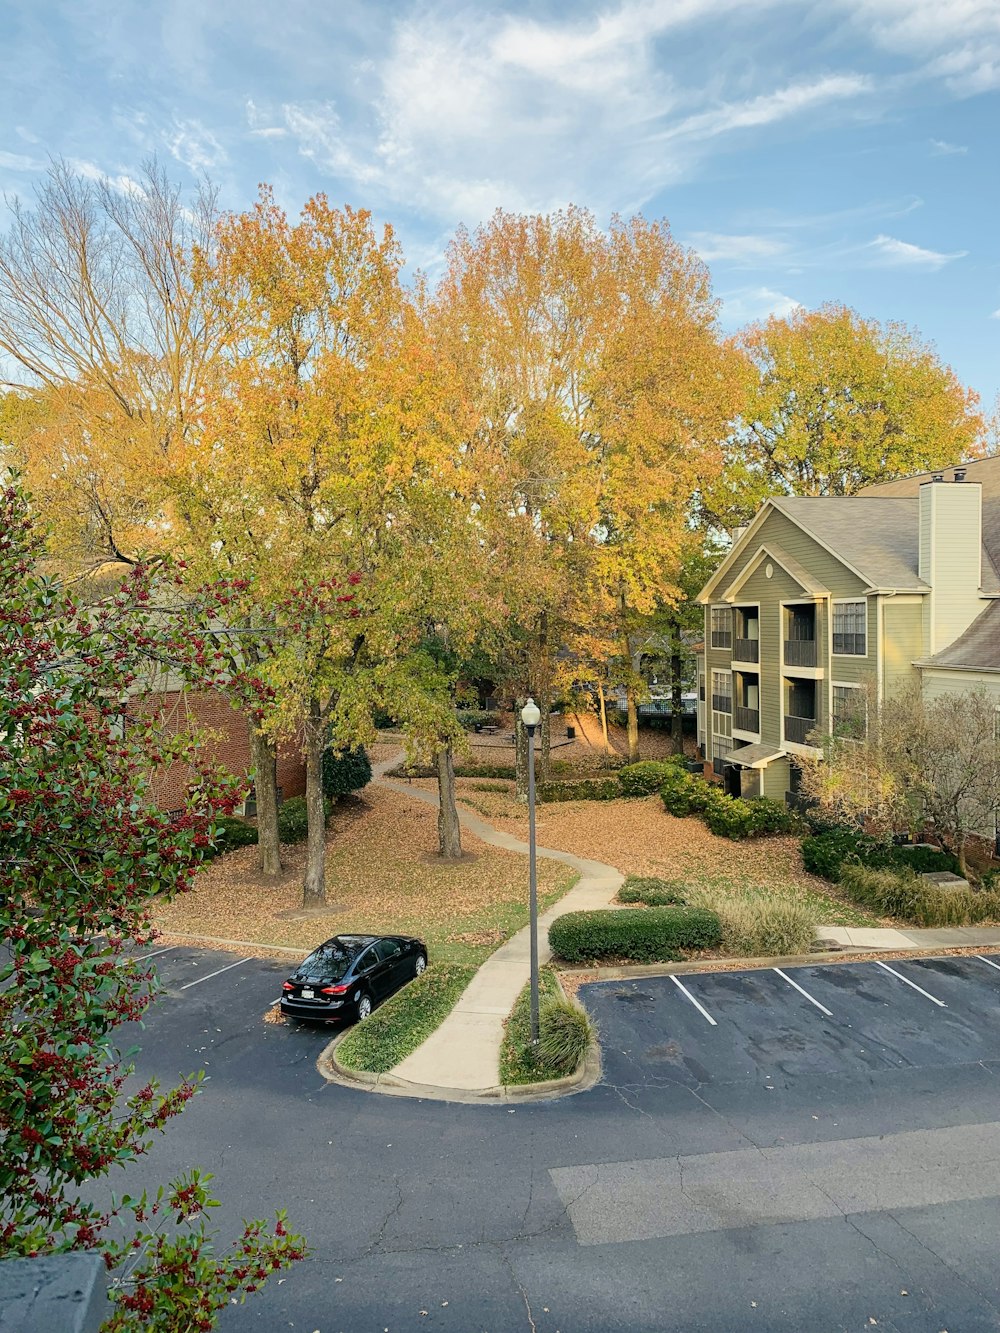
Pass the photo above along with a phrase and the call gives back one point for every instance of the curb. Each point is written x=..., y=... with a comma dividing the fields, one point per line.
x=854, y=955
x=585, y=1077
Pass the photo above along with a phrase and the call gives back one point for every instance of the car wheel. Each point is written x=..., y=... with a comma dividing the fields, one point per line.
x=364, y=1008
x=419, y=965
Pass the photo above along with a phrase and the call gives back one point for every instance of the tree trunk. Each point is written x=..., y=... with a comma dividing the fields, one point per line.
x=545, y=732
x=633, y=723
x=264, y=759
x=520, y=754
x=314, y=884
x=449, y=829
x=963, y=869
x=604, y=719
x=676, y=704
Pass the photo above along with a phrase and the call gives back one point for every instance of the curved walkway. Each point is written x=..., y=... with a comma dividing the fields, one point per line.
x=464, y=1052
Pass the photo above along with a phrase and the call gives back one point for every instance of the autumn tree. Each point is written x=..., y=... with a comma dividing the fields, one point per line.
x=834, y=402
x=915, y=762
x=84, y=853
x=320, y=467
x=603, y=387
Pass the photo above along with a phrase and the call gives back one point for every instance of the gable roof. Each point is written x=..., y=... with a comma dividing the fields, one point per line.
x=875, y=537
x=984, y=470
x=978, y=649
x=791, y=567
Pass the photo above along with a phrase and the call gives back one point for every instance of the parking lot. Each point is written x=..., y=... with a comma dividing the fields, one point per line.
x=777, y=1025
x=814, y=1149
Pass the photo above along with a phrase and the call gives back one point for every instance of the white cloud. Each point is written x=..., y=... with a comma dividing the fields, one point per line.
x=901, y=253
x=270, y=132
x=18, y=162
x=941, y=148
x=713, y=246
x=959, y=39
x=746, y=305
x=195, y=146
x=995, y=315
x=770, y=107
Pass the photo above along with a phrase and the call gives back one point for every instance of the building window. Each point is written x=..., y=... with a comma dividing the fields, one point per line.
x=721, y=747
x=722, y=691
x=850, y=720
x=722, y=627
x=849, y=628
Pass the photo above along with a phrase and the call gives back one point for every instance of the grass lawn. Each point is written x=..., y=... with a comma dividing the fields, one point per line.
x=403, y=1022
x=640, y=838
x=382, y=876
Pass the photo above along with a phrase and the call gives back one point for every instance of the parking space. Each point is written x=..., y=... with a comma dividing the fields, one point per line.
x=775, y=1024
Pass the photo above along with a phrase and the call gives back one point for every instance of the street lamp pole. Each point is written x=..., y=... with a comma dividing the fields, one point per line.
x=531, y=716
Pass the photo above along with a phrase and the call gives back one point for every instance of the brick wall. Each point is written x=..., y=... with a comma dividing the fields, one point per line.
x=228, y=743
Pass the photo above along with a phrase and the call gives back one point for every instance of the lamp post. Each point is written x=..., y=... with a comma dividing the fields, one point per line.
x=531, y=716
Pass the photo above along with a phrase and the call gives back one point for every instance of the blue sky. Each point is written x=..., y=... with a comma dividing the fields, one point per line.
x=844, y=150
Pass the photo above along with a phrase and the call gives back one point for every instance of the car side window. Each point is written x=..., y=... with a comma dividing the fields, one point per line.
x=387, y=949
x=365, y=960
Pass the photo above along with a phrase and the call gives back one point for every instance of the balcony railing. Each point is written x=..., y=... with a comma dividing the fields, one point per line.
x=746, y=650
x=798, y=728
x=800, y=652
x=722, y=638
x=746, y=719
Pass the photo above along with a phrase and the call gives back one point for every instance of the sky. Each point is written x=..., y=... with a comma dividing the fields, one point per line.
x=842, y=150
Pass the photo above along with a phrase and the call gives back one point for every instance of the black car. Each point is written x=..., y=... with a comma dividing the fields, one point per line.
x=346, y=977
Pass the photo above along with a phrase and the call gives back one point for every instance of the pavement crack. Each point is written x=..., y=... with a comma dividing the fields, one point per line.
x=950, y=1267
x=509, y=1265
x=393, y=1211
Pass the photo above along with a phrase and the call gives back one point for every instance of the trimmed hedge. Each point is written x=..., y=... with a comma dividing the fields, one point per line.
x=647, y=777
x=651, y=892
x=734, y=817
x=588, y=789
x=230, y=833
x=912, y=899
x=643, y=934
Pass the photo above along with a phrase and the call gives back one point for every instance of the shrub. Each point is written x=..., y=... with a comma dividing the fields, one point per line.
x=738, y=817
x=345, y=771
x=502, y=787
x=762, y=927
x=643, y=934
x=683, y=794
x=651, y=892
x=230, y=834
x=905, y=895
x=649, y=776
x=826, y=853
x=470, y=718
x=922, y=859
x=293, y=820
x=564, y=1034
x=590, y=789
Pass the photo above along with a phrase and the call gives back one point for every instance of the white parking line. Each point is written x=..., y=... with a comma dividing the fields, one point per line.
x=940, y=1003
x=802, y=991
x=987, y=962
x=700, y=1007
x=144, y=958
x=229, y=966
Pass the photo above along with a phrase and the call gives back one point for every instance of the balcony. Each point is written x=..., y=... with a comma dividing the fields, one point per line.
x=746, y=719
x=800, y=652
x=798, y=728
x=746, y=650
x=722, y=703
x=722, y=638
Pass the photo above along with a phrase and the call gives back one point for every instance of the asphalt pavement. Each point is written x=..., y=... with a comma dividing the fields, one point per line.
x=803, y=1151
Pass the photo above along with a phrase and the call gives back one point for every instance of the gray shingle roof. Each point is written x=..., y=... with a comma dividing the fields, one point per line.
x=978, y=649
x=877, y=537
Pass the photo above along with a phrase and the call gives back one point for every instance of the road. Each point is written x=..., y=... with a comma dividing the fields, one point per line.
x=816, y=1150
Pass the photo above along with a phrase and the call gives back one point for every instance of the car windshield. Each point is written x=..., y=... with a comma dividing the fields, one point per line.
x=331, y=960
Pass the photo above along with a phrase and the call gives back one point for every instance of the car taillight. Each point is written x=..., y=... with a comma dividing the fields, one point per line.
x=287, y=986
x=335, y=990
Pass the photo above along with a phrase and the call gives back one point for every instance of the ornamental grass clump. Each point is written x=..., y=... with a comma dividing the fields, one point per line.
x=565, y=1034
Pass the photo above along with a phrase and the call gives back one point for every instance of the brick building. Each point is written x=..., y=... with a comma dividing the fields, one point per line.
x=227, y=741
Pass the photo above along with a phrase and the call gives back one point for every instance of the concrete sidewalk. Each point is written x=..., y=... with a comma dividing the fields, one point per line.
x=464, y=1052
x=889, y=938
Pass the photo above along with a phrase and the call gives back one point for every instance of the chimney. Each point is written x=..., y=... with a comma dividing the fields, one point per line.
x=950, y=547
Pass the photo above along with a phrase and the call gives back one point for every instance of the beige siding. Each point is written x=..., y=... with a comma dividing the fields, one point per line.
x=777, y=531
x=776, y=779
x=936, y=683
x=950, y=556
x=849, y=667
x=902, y=642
